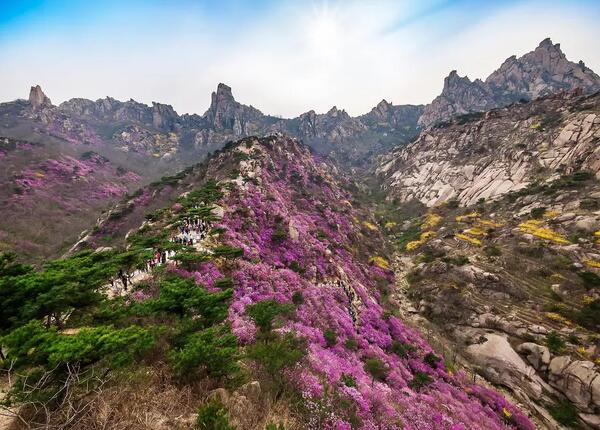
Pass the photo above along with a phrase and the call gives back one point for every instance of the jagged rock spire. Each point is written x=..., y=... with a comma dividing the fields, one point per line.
x=37, y=98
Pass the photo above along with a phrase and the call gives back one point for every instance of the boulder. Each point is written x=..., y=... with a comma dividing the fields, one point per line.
x=537, y=355
x=577, y=380
x=588, y=224
x=502, y=365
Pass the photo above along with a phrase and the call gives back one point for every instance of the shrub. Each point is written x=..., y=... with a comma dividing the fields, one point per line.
x=401, y=349
x=590, y=279
x=538, y=213
x=554, y=342
x=420, y=380
x=348, y=380
x=33, y=345
x=377, y=369
x=212, y=352
x=213, y=416
x=351, y=344
x=183, y=297
x=264, y=313
x=330, y=337
x=228, y=252
x=492, y=251
x=564, y=412
x=277, y=354
x=279, y=235
x=297, y=298
x=223, y=283
x=432, y=360
x=412, y=234
x=295, y=266
x=589, y=315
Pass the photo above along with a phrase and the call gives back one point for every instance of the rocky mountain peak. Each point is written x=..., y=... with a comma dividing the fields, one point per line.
x=37, y=98
x=541, y=72
x=383, y=104
x=224, y=93
x=548, y=45
x=163, y=116
x=454, y=81
x=334, y=112
x=226, y=114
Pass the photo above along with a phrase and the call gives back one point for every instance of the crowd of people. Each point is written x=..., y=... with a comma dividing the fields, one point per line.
x=192, y=231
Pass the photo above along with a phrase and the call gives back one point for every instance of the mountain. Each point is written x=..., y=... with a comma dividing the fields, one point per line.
x=138, y=144
x=504, y=150
x=311, y=253
x=496, y=220
x=541, y=72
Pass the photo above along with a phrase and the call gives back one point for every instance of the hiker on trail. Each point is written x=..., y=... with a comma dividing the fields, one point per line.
x=123, y=279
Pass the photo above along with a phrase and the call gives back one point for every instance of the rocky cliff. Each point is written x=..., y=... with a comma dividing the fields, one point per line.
x=504, y=150
x=544, y=71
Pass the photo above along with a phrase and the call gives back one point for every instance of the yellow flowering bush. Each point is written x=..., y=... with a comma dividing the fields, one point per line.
x=592, y=263
x=379, y=262
x=390, y=225
x=423, y=239
x=506, y=413
x=557, y=317
x=535, y=227
x=369, y=225
x=475, y=231
x=588, y=299
x=489, y=223
x=466, y=238
x=431, y=221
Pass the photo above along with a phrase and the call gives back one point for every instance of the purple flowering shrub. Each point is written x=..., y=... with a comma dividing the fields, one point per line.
x=299, y=232
x=98, y=178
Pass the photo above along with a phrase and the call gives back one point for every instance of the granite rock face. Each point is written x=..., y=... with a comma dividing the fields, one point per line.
x=504, y=150
x=542, y=72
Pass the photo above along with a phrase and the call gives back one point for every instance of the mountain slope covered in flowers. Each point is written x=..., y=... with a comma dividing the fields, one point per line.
x=295, y=243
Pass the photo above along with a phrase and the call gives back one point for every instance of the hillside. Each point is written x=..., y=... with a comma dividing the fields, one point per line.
x=495, y=220
x=483, y=156
x=247, y=296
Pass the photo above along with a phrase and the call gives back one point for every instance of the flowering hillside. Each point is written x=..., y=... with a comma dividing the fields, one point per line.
x=300, y=233
x=256, y=265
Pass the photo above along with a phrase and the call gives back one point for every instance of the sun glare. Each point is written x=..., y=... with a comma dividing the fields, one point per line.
x=324, y=29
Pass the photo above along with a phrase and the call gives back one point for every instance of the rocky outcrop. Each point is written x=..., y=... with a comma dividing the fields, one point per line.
x=225, y=114
x=537, y=355
x=504, y=150
x=393, y=117
x=38, y=99
x=578, y=380
x=459, y=96
x=502, y=365
x=332, y=127
x=544, y=71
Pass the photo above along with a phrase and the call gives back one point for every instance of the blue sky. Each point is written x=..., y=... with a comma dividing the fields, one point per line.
x=284, y=57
